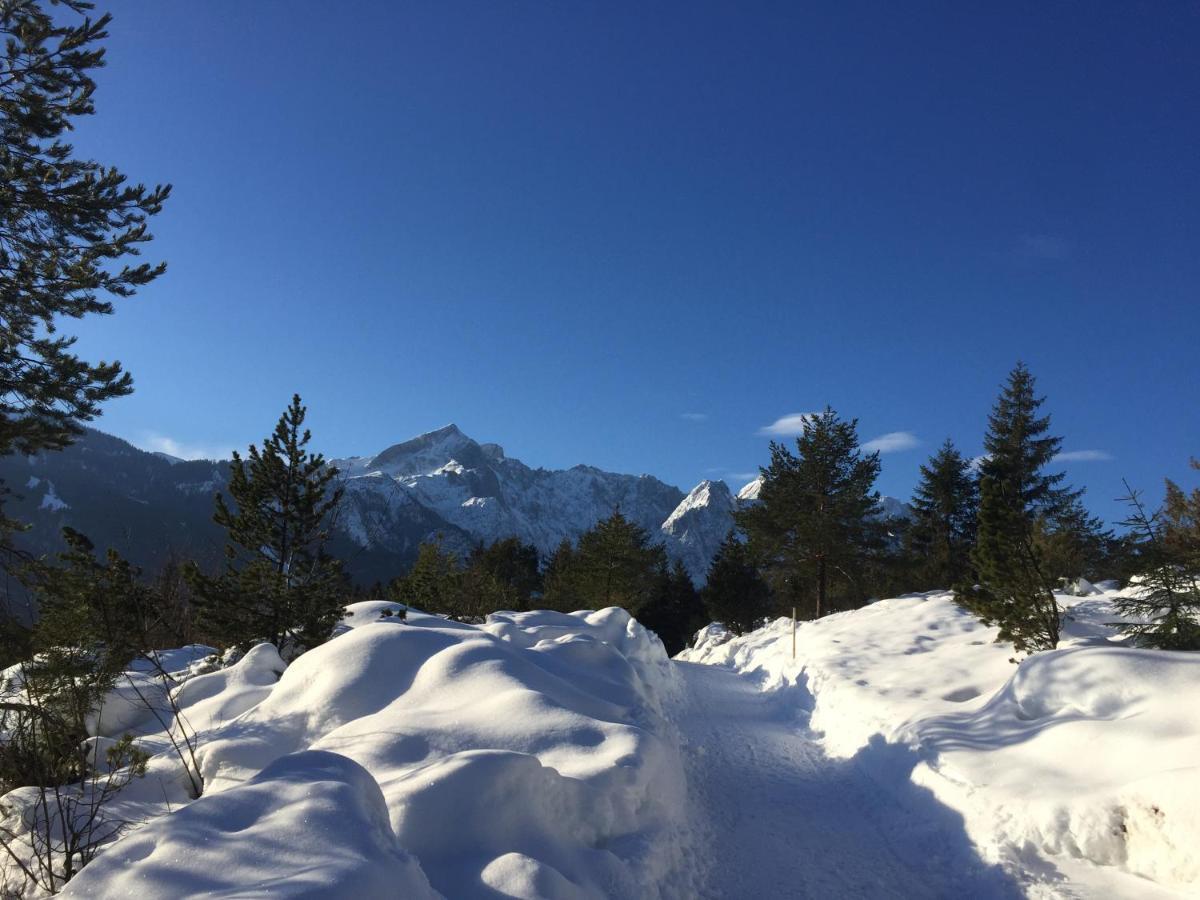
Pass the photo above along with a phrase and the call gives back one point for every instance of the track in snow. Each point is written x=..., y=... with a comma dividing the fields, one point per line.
x=783, y=820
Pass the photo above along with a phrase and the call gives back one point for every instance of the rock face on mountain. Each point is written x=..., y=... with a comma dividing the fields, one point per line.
x=698, y=525
x=482, y=495
x=442, y=485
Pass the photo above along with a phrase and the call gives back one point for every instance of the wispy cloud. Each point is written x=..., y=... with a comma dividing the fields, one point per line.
x=892, y=442
x=784, y=426
x=1084, y=456
x=160, y=443
x=694, y=416
x=1048, y=247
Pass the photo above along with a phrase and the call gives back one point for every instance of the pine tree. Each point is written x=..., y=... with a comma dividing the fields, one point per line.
x=614, y=564
x=814, y=526
x=945, y=505
x=674, y=612
x=1181, y=519
x=513, y=567
x=736, y=595
x=559, y=590
x=1166, y=603
x=432, y=584
x=1073, y=544
x=279, y=585
x=63, y=223
x=1015, y=591
x=65, y=226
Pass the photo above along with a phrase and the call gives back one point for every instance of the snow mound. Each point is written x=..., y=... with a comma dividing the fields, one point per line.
x=1091, y=752
x=526, y=757
x=312, y=824
x=1087, y=756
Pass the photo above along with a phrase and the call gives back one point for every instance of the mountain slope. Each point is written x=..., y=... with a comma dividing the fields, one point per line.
x=698, y=525
x=442, y=486
x=481, y=493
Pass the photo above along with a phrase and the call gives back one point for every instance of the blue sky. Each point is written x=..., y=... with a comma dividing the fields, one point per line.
x=638, y=236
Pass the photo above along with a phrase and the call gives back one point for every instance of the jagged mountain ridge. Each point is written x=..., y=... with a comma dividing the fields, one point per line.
x=486, y=495
x=440, y=485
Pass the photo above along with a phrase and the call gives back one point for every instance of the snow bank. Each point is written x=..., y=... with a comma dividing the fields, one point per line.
x=312, y=824
x=526, y=757
x=1087, y=753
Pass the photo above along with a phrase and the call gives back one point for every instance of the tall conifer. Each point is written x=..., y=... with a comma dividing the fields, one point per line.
x=279, y=585
x=68, y=227
x=945, y=506
x=1014, y=590
x=674, y=611
x=614, y=564
x=736, y=595
x=815, y=525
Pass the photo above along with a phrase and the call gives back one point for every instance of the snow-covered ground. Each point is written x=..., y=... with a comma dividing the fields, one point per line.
x=527, y=757
x=781, y=819
x=1077, y=773
x=900, y=753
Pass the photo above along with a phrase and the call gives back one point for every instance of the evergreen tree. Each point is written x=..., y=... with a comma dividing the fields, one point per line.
x=1074, y=544
x=279, y=584
x=814, y=528
x=97, y=615
x=674, y=612
x=1015, y=589
x=513, y=567
x=1166, y=603
x=736, y=595
x=613, y=565
x=1181, y=521
x=503, y=575
x=945, y=504
x=558, y=579
x=65, y=226
x=432, y=585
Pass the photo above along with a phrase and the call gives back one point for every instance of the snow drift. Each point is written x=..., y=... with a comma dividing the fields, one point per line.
x=526, y=757
x=1087, y=756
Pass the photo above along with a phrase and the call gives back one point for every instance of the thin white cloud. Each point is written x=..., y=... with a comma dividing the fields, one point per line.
x=785, y=426
x=160, y=443
x=1084, y=456
x=694, y=416
x=892, y=442
x=742, y=476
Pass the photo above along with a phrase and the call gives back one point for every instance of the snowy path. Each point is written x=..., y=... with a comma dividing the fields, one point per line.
x=783, y=820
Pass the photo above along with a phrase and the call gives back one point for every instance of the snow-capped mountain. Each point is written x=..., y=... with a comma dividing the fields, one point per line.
x=442, y=485
x=749, y=492
x=694, y=531
x=483, y=495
